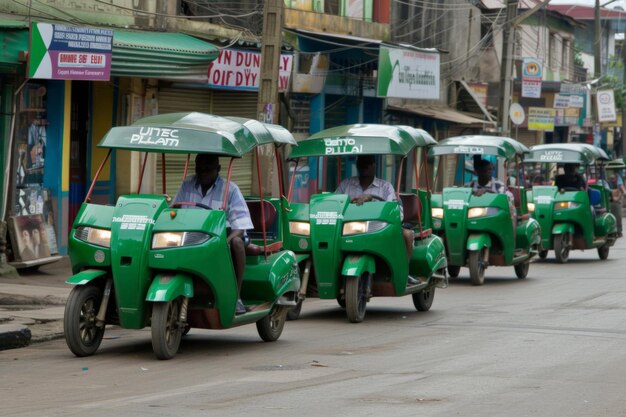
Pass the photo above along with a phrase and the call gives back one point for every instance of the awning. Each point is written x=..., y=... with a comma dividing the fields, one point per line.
x=162, y=55
x=13, y=40
x=438, y=112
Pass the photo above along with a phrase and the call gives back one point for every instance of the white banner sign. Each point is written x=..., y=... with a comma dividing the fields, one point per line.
x=238, y=69
x=532, y=75
x=606, y=106
x=561, y=102
x=406, y=73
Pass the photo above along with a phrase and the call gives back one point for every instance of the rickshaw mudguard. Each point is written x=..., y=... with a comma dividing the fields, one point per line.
x=562, y=228
x=477, y=241
x=166, y=287
x=356, y=264
x=86, y=276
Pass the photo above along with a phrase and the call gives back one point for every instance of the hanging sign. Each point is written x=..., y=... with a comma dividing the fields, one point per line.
x=59, y=52
x=540, y=118
x=407, y=73
x=532, y=74
x=516, y=112
x=238, y=69
x=606, y=106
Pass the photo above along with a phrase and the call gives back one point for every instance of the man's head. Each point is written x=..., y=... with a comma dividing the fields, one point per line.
x=570, y=168
x=207, y=168
x=366, y=165
x=483, y=169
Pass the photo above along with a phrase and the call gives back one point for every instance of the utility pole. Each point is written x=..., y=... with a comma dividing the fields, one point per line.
x=506, y=66
x=268, y=106
x=597, y=62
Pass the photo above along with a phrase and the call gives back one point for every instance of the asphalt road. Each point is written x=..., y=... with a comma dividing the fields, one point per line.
x=550, y=345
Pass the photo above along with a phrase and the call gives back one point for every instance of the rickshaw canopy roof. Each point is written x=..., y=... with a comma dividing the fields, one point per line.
x=363, y=139
x=194, y=132
x=576, y=153
x=616, y=164
x=500, y=146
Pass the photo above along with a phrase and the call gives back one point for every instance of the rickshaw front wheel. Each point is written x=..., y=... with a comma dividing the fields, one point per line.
x=82, y=335
x=476, y=265
x=561, y=247
x=423, y=300
x=271, y=326
x=356, y=297
x=166, y=329
x=521, y=269
x=603, y=251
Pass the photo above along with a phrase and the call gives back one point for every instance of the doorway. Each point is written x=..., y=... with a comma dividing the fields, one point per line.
x=79, y=135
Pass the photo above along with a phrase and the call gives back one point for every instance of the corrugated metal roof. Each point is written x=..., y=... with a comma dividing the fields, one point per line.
x=163, y=55
x=581, y=12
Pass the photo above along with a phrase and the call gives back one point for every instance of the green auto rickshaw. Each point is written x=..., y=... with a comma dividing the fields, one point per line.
x=143, y=261
x=571, y=218
x=487, y=229
x=354, y=252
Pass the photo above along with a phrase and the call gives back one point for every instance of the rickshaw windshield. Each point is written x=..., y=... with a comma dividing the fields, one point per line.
x=349, y=141
x=469, y=147
x=193, y=133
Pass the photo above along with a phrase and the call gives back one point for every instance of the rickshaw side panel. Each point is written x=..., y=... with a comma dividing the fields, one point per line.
x=85, y=255
x=605, y=225
x=528, y=234
x=455, y=226
x=544, y=197
x=429, y=255
x=265, y=280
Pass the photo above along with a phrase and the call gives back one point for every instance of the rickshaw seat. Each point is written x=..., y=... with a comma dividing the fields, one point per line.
x=595, y=196
x=259, y=218
x=411, y=206
x=516, y=197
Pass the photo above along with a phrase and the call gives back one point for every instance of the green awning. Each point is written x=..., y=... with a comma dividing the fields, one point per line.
x=13, y=40
x=162, y=55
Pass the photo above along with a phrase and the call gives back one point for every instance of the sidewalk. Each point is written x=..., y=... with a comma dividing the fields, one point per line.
x=31, y=305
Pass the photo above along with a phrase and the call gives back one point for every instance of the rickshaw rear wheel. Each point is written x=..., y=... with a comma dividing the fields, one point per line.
x=561, y=247
x=603, y=252
x=543, y=254
x=423, y=300
x=294, y=312
x=476, y=265
x=271, y=326
x=356, y=297
x=166, y=329
x=521, y=269
x=453, y=270
x=82, y=335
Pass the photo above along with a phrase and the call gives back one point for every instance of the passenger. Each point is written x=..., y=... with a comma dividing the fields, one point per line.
x=617, y=195
x=570, y=179
x=207, y=187
x=366, y=186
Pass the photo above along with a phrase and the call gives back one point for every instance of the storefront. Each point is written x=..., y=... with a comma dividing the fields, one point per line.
x=60, y=116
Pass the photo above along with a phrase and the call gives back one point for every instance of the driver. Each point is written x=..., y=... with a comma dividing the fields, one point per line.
x=570, y=179
x=366, y=186
x=207, y=187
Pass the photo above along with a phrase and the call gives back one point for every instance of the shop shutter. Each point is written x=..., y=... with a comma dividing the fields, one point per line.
x=172, y=100
x=527, y=137
x=239, y=104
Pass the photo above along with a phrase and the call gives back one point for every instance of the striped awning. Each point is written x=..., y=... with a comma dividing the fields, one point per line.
x=161, y=55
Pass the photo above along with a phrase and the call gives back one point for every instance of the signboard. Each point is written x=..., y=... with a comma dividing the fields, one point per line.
x=516, y=112
x=540, y=118
x=406, y=73
x=59, y=52
x=238, y=69
x=561, y=101
x=606, y=106
x=532, y=74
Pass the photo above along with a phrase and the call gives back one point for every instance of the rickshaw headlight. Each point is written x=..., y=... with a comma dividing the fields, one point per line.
x=94, y=235
x=564, y=205
x=300, y=228
x=437, y=212
x=353, y=228
x=481, y=212
x=531, y=207
x=176, y=239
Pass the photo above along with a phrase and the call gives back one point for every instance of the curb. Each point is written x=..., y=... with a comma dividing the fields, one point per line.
x=14, y=336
